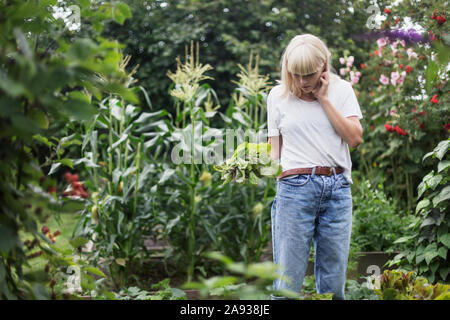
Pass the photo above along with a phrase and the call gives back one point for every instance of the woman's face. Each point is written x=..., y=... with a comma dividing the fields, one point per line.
x=308, y=82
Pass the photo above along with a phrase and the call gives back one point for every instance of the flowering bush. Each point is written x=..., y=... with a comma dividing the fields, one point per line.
x=402, y=87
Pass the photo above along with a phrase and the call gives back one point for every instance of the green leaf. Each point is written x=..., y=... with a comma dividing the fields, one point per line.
x=54, y=168
x=443, y=272
x=442, y=196
x=434, y=181
x=445, y=239
x=428, y=221
x=122, y=13
x=81, y=49
x=422, y=204
x=430, y=252
x=44, y=140
x=442, y=252
x=431, y=74
x=421, y=189
x=442, y=165
x=77, y=109
x=78, y=242
x=67, y=162
x=95, y=271
x=441, y=149
x=404, y=239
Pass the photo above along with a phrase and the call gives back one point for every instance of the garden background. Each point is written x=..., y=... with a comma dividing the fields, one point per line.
x=93, y=99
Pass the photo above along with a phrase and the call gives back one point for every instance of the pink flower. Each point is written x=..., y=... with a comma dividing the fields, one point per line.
x=403, y=42
x=350, y=61
x=342, y=71
x=354, y=78
x=394, y=51
x=342, y=60
x=411, y=53
x=381, y=42
x=384, y=80
x=402, y=78
x=394, y=77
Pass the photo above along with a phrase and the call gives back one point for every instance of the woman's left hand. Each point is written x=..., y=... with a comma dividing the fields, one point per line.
x=320, y=92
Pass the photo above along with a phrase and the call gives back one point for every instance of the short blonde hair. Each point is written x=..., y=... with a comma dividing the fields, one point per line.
x=305, y=54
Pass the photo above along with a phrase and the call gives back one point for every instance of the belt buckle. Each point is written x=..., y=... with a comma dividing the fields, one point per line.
x=331, y=172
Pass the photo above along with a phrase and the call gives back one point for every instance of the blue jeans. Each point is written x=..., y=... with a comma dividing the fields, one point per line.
x=307, y=207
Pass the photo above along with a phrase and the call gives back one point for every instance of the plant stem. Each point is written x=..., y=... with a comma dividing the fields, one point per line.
x=138, y=165
x=191, y=223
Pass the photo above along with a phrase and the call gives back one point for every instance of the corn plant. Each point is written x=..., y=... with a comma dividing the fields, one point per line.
x=115, y=154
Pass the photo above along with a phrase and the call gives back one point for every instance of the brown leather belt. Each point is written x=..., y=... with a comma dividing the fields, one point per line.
x=328, y=171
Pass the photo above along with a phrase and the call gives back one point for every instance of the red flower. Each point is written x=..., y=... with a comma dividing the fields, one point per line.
x=387, y=11
x=423, y=113
x=401, y=66
x=77, y=185
x=433, y=15
x=397, y=21
x=408, y=69
x=71, y=177
x=447, y=126
x=44, y=230
x=441, y=20
x=421, y=125
x=371, y=127
x=389, y=128
x=57, y=233
x=362, y=66
x=434, y=99
x=400, y=131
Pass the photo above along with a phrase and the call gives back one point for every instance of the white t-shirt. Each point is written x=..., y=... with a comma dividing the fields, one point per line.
x=309, y=139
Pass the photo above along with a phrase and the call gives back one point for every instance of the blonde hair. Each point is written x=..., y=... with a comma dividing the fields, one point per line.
x=305, y=54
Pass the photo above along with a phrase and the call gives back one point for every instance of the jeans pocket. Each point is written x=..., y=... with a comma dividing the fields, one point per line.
x=343, y=181
x=297, y=181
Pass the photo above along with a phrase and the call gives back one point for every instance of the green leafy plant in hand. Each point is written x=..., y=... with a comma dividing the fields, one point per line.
x=250, y=162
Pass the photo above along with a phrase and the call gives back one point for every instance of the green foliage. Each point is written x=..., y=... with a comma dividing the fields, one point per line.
x=202, y=219
x=377, y=222
x=165, y=292
x=228, y=31
x=114, y=153
x=356, y=291
x=389, y=155
x=398, y=285
x=43, y=69
x=428, y=246
x=249, y=282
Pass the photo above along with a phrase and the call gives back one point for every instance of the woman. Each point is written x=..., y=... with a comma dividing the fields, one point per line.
x=313, y=116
